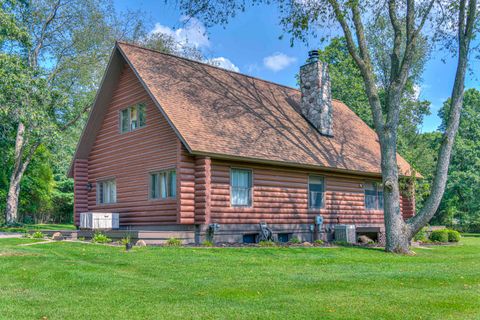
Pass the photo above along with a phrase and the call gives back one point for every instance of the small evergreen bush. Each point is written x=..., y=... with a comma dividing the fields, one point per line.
x=125, y=240
x=207, y=243
x=174, y=242
x=99, y=237
x=294, y=240
x=318, y=242
x=453, y=236
x=439, y=235
x=38, y=235
x=264, y=243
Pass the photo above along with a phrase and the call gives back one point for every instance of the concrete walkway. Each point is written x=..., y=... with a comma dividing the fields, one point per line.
x=6, y=235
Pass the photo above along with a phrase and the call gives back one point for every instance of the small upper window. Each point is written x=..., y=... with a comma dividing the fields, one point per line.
x=373, y=196
x=132, y=118
x=106, y=192
x=315, y=192
x=241, y=187
x=163, y=184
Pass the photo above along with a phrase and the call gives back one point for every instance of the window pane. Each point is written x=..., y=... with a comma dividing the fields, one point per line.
x=241, y=184
x=100, y=192
x=163, y=184
x=316, y=190
x=133, y=118
x=154, y=186
x=106, y=192
x=380, y=200
x=172, y=184
x=124, y=121
x=141, y=115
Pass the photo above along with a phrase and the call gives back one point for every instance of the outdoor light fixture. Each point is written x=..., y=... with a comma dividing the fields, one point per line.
x=89, y=186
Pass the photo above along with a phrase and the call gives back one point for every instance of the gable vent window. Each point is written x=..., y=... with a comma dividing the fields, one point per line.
x=132, y=118
x=373, y=196
x=163, y=184
x=316, y=188
x=241, y=187
x=106, y=192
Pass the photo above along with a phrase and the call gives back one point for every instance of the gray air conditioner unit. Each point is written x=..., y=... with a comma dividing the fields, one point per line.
x=99, y=220
x=345, y=233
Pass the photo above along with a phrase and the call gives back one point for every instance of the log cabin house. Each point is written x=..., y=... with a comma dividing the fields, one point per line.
x=181, y=148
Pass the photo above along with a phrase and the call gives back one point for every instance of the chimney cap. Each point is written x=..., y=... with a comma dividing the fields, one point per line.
x=313, y=55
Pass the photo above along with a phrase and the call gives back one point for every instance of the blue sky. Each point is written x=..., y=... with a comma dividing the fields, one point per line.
x=250, y=44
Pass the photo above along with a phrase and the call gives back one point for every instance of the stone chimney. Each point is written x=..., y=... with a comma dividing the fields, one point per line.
x=316, y=104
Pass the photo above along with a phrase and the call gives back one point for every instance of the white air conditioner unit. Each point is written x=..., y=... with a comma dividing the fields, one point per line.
x=345, y=233
x=99, y=220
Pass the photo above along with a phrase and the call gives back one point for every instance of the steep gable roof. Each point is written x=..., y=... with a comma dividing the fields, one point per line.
x=230, y=115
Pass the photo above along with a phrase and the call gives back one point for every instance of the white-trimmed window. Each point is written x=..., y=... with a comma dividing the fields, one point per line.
x=373, y=196
x=132, y=118
x=163, y=184
x=241, y=187
x=106, y=192
x=316, y=190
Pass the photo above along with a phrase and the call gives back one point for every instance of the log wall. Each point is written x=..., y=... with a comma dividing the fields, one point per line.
x=80, y=189
x=130, y=157
x=280, y=195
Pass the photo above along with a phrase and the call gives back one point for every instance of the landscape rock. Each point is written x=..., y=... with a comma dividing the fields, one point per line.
x=57, y=236
x=307, y=244
x=141, y=243
x=364, y=240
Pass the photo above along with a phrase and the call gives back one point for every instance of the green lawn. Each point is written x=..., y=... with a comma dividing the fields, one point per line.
x=28, y=227
x=84, y=281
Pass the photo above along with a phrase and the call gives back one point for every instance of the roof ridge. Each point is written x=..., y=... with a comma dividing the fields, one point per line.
x=208, y=65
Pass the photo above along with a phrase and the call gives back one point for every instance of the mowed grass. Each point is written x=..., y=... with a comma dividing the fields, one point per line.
x=46, y=227
x=63, y=280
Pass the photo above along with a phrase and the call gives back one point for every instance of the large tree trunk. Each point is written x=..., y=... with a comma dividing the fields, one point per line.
x=11, y=212
x=397, y=240
x=20, y=165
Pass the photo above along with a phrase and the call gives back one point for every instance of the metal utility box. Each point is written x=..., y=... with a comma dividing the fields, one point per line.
x=345, y=233
x=99, y=220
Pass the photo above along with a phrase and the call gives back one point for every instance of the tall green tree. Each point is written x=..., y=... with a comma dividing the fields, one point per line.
x=461, y=203
x=454, y=22
x=52, y=56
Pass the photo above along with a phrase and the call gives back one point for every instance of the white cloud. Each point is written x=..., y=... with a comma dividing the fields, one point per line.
x=224, y=63
x=278, y=61
x=193, y=33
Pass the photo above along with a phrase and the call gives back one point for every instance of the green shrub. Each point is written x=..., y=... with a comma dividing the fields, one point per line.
x=421, y=235
x=264, y=243
x=125, y=240
x=99, y=237
x=294, y=240
x=207, y=243
x=38, y=235
x=174, y=242
x=453, y=236
x=81, y=238
x=439, y=236
x=319, y=242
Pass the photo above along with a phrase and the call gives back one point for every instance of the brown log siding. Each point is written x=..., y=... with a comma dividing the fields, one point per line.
x=280, y=195
x=202, y=190
x=185, y=186
x=80, y=175
x=130, y=157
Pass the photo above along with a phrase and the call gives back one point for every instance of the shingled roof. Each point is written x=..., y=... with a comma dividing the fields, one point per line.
x=226, y=114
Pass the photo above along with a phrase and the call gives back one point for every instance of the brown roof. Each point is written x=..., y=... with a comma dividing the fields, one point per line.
x=228, y=114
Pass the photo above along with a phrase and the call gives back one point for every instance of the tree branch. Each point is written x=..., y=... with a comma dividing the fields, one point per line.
x=75, y=119
x=36, y=51
x=465, y=33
